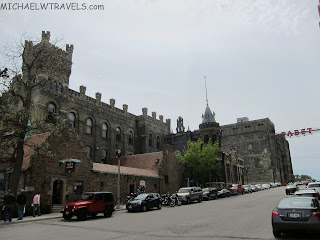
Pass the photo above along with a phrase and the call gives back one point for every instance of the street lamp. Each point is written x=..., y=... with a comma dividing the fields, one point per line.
x=118, y=154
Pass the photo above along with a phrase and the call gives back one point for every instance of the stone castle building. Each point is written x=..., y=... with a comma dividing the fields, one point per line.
x=251, y=151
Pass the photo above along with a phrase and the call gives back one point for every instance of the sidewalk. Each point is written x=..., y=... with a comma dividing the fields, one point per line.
x=43, y=217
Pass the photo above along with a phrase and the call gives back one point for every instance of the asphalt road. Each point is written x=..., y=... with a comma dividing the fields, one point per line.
x=237, y=217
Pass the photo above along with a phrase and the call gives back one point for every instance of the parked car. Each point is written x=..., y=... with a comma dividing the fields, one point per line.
x=238, y=189
x=291, y=188
x=247, y=188
x=91, y=204
x=259, y=186
x=296, y=214
x=266, y=186
x=314, y=185
x=209, y=193
x=254, y=188
x=189, y=194
x=307, y=193
x=224, y=193
x=144, y=202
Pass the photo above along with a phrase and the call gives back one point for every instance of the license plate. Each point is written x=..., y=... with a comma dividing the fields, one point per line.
x=294, y=215
x=67, y=213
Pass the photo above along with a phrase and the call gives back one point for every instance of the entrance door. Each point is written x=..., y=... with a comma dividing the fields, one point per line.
x=57, y=192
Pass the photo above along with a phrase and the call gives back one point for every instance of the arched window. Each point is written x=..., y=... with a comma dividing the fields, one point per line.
x=59, y=88
x=150, y=140
x=104, y=130
x=158, y=142
x=72, y=119
x=89, y=126
x=206, y=139
x=118, y=134
x=104, y=156
x=130, y=138
x=88, y=150
x=51, y=108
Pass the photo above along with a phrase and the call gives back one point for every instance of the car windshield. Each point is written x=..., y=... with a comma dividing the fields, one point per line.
x=184, y=190
x=141, y=196
x=314, y=185
x=246, y=186
x=87, y=196
x=205, y=189
x=296, y=203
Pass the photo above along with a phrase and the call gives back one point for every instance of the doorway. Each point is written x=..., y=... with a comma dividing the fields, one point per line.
x=57, y=192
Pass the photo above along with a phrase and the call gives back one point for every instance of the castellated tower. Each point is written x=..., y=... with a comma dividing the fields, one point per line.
x=48, y=60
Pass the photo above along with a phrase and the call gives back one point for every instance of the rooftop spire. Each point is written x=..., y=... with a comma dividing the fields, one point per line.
x=208, y=116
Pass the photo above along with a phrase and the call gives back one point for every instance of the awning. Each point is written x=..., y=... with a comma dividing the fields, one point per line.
x=69, y=160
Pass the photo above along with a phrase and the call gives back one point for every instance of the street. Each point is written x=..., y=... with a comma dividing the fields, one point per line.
x=238, y=217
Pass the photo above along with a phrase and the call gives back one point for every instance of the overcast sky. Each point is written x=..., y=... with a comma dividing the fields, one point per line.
x=260, y=59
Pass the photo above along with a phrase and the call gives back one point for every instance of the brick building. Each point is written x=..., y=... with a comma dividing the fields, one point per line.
x=57, y=165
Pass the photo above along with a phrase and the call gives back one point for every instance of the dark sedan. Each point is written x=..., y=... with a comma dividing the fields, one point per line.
x=144, y=202
x=296, y=214
x=209, y=193
x=223, y=193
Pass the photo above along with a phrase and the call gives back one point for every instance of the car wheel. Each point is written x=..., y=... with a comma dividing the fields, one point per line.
x=144, y=208
x=276, y=233
x=159, y=205
x=200, y=199
x=67, y=217
x=242, y=192
x=107, y=212
x=82, y=215
x=188, y=201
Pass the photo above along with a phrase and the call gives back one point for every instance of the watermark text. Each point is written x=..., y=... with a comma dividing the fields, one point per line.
x=34, y=6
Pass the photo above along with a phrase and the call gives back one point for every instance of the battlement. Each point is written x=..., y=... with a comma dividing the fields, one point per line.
x=45, y=36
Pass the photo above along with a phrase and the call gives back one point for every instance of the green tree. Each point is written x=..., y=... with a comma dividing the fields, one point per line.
x=18, y=117
x=200, y=160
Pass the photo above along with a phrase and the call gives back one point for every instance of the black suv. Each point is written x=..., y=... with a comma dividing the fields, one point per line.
x=144, y=202
x=91, y=204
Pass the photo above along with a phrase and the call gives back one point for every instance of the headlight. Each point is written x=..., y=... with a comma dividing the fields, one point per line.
x=139, y=202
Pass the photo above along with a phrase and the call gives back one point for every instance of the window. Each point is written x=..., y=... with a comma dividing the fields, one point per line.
x=72, y=119
x=104, y=130
x=158, y=142
x=78, y=188
x=130, y=138
x=51, y=108
x=166, y=179
x=88, y=150
x=118, y=134
x=150, y=140
x=89, y=126
x=104, y=156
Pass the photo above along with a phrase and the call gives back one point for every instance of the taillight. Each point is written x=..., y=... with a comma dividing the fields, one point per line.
x=275, y=213
x=315, y=214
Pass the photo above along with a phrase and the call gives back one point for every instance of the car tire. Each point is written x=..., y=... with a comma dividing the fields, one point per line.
x=67, y=217
x=242, y=192
x=107, y=212
x=188, y=201
x=82, y=216
x=159, y=205
x=199, y=199
x=276, y=233
x=144, y=208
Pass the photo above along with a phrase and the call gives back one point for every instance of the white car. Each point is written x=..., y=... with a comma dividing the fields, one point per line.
x=314, y=185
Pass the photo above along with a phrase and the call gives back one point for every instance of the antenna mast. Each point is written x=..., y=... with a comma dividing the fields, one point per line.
x=205, y=83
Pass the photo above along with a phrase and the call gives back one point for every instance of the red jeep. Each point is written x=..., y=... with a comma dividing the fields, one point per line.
x=91, y=204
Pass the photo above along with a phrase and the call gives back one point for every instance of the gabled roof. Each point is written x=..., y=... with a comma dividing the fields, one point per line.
x=30, y=144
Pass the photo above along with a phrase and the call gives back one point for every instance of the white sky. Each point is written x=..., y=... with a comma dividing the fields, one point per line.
x=261, y=59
